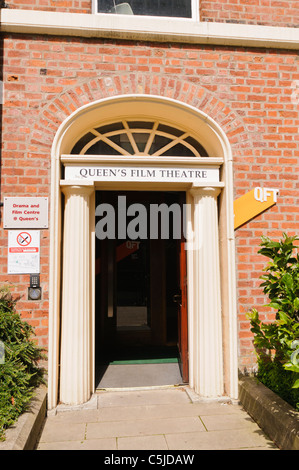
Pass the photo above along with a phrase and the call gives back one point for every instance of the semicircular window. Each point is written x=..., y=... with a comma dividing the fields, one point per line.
x=138, y=138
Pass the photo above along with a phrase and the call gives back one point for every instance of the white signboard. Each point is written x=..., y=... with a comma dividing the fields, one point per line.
x=150, y=174
x=23, y=252
x=25, y=212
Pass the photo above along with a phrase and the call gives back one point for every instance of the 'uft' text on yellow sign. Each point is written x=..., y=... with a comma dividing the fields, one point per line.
x=252, y=204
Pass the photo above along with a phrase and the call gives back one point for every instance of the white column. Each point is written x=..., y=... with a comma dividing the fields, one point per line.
x=207, y=329
x=76, y=308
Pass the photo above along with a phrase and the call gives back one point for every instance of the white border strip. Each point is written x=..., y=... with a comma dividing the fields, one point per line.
x=147, y=28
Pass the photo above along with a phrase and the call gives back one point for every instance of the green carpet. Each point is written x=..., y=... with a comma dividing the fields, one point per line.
x=152, y=355
x=163, y=360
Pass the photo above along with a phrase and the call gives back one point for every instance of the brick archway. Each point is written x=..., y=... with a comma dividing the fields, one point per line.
x=62, y=106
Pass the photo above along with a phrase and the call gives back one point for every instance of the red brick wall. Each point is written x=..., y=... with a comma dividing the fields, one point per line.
x=258, y=12
x=251, y=93
x=68, y=6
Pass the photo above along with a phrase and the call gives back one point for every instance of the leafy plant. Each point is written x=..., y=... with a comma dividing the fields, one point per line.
x=281, y=281
x=20, y=373
x=277, y=343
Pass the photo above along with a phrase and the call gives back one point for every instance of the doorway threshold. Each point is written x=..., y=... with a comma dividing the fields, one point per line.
x=141, y=388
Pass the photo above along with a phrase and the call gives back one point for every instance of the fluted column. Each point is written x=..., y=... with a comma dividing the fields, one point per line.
x=207, y=334
x=76, y=321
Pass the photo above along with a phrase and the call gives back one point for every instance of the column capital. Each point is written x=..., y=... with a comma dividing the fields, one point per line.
x=210, y=191
x=77, y=187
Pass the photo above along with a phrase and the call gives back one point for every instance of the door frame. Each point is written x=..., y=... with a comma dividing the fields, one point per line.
x=216, y=143
x=183, y=333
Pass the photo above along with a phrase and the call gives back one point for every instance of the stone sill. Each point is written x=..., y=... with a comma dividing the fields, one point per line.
x=147, y=29
x=277, y=419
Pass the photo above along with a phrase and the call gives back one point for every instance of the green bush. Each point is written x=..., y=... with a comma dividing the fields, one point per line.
x=20, y=373
x=277, y=343
x=274, y=376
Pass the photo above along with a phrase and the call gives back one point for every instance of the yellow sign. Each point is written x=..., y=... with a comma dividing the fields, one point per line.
x=252, y=204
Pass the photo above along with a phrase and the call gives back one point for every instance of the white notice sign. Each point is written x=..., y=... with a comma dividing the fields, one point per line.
x=25, y=212
x=23, y=252
x=180, y=174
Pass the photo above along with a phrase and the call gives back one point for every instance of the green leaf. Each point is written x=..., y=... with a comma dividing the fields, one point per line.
x=296, y=384
x=291, y=367
x=274, y=305
x=284, y=317
x=288, y=280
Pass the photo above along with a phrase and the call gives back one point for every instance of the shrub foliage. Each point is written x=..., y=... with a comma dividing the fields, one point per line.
x=20, y=373
x=277, y=343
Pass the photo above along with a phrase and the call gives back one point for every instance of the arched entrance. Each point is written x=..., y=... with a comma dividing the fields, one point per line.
x=141, y=143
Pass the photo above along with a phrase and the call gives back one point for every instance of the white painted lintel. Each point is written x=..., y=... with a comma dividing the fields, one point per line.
x=147, y=29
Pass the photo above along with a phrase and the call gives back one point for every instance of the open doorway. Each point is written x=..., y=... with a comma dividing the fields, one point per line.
x=141, y=296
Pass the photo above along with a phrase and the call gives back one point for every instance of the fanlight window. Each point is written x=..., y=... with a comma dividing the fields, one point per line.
x=139, y=138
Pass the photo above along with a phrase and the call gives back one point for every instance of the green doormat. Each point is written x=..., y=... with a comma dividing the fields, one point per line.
x=163, y=360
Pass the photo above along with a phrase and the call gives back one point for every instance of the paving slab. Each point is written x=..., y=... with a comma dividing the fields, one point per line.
x=90, y=444
x=142, y=443
x=152, y=419
x=143, y=427
x=63, y=431
x=228, y=421
x=234, y=439
x=171, y=395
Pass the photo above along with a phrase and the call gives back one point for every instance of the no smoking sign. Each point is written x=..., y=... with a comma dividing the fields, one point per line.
x=24, y=239
x=23, y=252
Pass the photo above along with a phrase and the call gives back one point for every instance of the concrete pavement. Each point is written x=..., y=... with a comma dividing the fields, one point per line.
x=152, y=419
